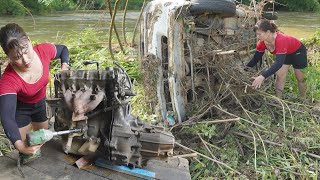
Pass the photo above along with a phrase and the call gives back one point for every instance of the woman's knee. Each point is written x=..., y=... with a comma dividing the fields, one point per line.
x=24, y=130
x=282, y=72
x=299, y=75
x=301, y=80
x=281, y=78
x=40, y=125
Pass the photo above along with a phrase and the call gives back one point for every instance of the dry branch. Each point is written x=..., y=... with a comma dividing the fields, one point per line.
x=137, y=23
x=209, y=158
x=124, y=23
x=187, y=155
x=113, y=26
x=212, y=122
x=276, y=144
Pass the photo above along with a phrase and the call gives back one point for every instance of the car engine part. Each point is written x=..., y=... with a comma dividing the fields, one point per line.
x=98, y=101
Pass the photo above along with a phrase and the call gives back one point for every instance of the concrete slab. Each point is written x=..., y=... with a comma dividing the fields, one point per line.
x=174, y=168
x=55, y=164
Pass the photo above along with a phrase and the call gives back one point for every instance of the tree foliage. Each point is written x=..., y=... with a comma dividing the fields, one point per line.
x=298, y=5
x=293, y=5
x=12, y=7
x=21, y=7
x=35, y=7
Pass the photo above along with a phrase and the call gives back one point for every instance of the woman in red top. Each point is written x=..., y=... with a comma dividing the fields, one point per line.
x=288, y=51
x=23, y=84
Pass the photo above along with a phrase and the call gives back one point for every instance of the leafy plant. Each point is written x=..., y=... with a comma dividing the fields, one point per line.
x=12, y=7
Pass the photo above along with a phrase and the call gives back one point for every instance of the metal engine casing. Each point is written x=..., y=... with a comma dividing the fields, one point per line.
x=98, y=101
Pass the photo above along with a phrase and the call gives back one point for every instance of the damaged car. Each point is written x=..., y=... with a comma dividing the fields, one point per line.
x=183, y=42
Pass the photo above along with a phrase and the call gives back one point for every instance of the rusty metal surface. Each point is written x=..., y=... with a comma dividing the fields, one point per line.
x=130, y=144
x=84, y=161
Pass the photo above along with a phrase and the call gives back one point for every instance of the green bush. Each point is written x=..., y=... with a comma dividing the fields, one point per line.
x=298, y=5
x=35, y=7
x=314, y=40
x=21, y=7
x=132, y=4
x=293, y=5
x=12, y=7
x=62, y=5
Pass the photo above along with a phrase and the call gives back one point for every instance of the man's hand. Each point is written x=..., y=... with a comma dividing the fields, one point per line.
x=64, y=66
x=257, y=82
x=22, y=147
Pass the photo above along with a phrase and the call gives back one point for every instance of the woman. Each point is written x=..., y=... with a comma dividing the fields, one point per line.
x=288, y=51
x=23, y=84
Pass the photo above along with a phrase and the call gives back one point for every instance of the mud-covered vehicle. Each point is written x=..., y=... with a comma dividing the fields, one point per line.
x=182, y=43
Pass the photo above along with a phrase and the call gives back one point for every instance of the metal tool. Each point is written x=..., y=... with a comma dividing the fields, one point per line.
x=40, y=137
x=36, y=138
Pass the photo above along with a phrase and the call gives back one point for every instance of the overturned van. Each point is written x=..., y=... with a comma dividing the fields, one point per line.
x=180, y=41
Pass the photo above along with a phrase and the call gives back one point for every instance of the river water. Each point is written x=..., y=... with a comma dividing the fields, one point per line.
x=299, y=24
x=48, y=28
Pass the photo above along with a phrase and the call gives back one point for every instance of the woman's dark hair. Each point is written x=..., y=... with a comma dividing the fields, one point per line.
x=265, y=25
x=12, y=36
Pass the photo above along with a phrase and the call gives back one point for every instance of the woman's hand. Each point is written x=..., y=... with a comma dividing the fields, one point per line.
x=257, y=82
x=22, y=147
x=64, y=66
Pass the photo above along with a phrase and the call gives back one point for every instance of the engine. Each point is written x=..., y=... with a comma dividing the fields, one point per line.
x=98, y=102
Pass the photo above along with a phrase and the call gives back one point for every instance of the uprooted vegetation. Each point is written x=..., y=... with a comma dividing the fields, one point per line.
x=232, y=130
x=250, y=133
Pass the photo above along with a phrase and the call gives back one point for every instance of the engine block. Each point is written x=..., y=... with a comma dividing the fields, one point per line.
x=98, y=101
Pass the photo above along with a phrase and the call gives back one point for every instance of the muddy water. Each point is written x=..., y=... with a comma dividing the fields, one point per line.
x=48, y=28
x=299, y=24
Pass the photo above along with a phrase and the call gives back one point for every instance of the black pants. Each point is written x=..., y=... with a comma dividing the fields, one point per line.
x=297, y=59
x=27, y=113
